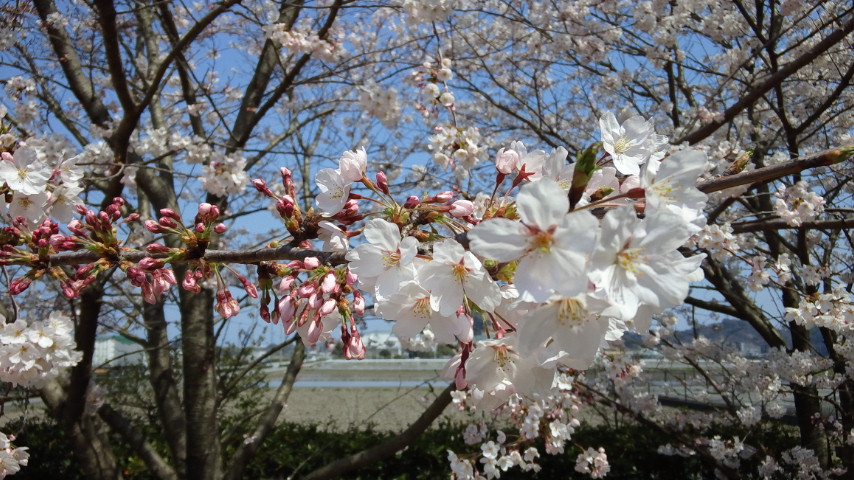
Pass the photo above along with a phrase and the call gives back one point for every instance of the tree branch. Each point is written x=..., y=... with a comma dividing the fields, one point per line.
x=780, y=224
x=137, y=440
x=78, y=82
x=825, y=158
x=247, y=450
x=390, y=446
x=750, y=97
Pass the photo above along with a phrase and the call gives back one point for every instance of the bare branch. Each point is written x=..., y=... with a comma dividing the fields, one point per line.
x=137, y=440
x=749, y=98
x=780, y=224
x=387, y=448
x=819, y=159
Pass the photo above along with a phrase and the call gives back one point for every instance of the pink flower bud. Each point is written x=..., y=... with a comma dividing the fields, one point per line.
x=148, y=294
x=149, y=264
x=84, y=270
x=250, y=288
x=156, y=248
x=204, y=209
x=306, y=290
x=358, y=303
x=132, y=217
x=226, y=305
x=354, y=348
x=57, y=240
x=18, y=285
x=167, y=222
x=105, y=219
x=220, y=228
x=351, y=278
x=315, y=301
x=287, y=178
x=382, y=182
x=311, y=263
x=286, y=308
x=190, y=283
x=411, y=202
x=136, y=276
x=169, y=213
x=460, y=378
x=285, y=284
x=69, y=290
x=285, y=207
x=289, y=326
x=351, y=207
x=327, y=307
x=261, y=186
x=113, y=212
x=76, y=227
x=463, y=327
x=444, y=196
x=506, y=161
x=329, y=283
x=461, y=208
x=162, y=280
x=315, y=330
x=150, y=225
x=199, y=228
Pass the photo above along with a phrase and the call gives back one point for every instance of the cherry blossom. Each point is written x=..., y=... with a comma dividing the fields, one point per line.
x=23, y=172
x=454, y=275
x=629, y=143
x=386, y=260
x=334, y=190
x=637, y=261
x=552, y=245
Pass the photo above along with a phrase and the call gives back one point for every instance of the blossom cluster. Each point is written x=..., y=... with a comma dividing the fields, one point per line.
x=36, y=352
x=567, y=264
x=551, y=417
x=426, y=11
x=12, y=458
x=797, y=204
x=39, y=186
x=299, y=40
x=834, y=310
x=380, y=102
x=572, y=279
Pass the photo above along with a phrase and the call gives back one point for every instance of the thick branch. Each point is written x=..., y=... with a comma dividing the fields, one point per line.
x=140, y=444
x=749, y=98
x=247, y=450
x=107, y=14
x=78, y=82
x=192, y=33
x=780, y=224
x=712, y=306
x=286, y=252
x=704, y=453
x=162, y=377
x=825, y=158
x=390, y=446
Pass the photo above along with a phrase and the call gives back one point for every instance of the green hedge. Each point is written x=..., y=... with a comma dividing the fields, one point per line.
x=631, y=452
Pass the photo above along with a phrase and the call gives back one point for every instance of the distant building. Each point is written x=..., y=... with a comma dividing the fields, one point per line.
x=376, y=342
x=117, y=351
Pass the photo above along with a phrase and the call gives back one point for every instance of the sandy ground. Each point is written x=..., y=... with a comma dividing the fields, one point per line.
x=390, y=408
x=340, y=409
